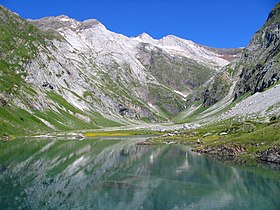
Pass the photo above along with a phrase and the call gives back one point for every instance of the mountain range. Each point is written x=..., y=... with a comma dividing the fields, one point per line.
x=60, y=74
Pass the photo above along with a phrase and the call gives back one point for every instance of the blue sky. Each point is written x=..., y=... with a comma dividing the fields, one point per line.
x=216, y=23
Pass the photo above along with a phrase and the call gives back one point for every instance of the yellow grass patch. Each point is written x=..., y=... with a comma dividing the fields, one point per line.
x=99, y=134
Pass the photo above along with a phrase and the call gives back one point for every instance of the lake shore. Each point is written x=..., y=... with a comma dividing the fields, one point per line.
x=241, y=142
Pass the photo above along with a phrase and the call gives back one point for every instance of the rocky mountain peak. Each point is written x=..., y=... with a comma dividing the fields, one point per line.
x=65, y=22
x=79, y=68
x=63, y=18
x=257, y=67
x=80, y=73
x=90, y=23
x=274, y=14
x=53, y=22
x=144, y=37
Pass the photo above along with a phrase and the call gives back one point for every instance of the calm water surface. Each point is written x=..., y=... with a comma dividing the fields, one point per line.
x=117, y=174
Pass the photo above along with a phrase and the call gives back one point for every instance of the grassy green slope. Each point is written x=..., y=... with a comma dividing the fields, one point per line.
x=19, y=44
x=242, y=141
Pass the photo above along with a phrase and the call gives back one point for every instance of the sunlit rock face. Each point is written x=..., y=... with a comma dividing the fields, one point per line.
x=259, y=64
x=83, y=73
x=256, y=69
x=148, y=70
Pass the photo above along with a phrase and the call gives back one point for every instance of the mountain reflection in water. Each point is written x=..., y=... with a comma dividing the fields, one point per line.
x=117, y=174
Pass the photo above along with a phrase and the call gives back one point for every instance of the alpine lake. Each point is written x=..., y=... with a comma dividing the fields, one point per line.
x=115, y=173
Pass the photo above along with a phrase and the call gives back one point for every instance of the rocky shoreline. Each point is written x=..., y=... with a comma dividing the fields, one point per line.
x=271, y=155
x=222, y=150
x=233, y=153
x=236, y=153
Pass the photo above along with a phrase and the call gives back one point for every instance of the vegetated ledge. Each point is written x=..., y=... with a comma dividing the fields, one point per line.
x=247, y=142
x=240, y=155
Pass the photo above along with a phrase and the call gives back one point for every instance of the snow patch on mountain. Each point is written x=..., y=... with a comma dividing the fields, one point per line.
x=186, y=48
x=94, y=35
x=93, y=68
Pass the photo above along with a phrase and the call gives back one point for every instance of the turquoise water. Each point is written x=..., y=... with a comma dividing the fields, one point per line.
x=117, y=174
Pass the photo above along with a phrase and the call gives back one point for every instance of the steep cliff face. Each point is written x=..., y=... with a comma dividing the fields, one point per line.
x=259, y=64
x=58, y=73
x=256, y=69
x=138, y=77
